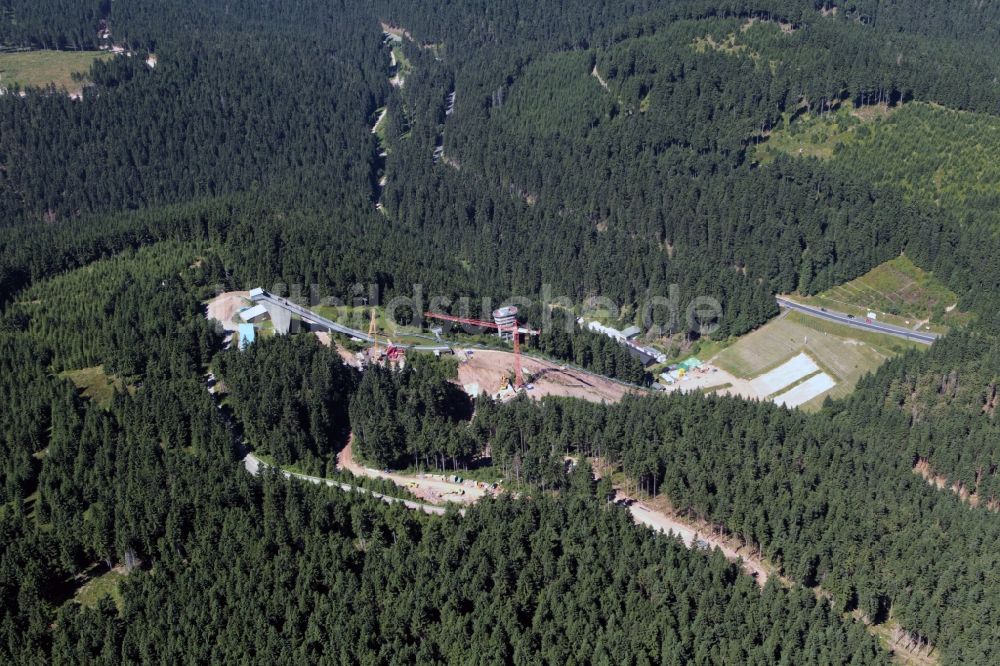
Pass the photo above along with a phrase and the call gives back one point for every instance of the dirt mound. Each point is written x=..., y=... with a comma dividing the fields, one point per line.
x=487, y=368
x=224, y=307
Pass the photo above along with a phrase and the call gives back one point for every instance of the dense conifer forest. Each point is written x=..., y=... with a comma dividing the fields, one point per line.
x=594, y=149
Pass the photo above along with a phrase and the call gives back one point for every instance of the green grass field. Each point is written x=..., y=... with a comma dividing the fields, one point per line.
x=104, y=585
x=900, y=293
x=843, y=352
x=95, y=384
x=38, y=69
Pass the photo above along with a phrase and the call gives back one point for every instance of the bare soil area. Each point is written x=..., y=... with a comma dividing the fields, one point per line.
x=694, y=536
x=224, y=307
x=487, y=368
x=711, y=379
x=941, y=482
x=349, y=358
x=433, y=488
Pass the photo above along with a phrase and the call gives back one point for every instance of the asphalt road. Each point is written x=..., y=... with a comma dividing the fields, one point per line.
x=859, y=322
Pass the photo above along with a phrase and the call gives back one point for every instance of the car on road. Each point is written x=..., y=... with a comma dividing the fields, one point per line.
x=850, y=316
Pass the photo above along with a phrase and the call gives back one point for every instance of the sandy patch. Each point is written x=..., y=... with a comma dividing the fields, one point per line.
x=711, y=379
x=692, y=536
x=941, y=482
x=597, y=75
x=378, y=121
x=348, y=358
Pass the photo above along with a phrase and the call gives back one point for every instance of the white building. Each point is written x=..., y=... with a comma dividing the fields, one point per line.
x=253, y=314
x=598, y=327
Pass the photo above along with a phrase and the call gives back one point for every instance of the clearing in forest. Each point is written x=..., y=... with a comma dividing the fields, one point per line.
x=223, y=308
x=95, y=384
x=107, y=584
x=900, y=293
x=39, y=69
x=818, y=135
x=836, y=357
x=485, y=369
x=401, y=66
x=728, y=45
x=432, y=488
x=358, y=317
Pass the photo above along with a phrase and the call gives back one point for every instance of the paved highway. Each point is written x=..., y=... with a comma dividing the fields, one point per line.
x=859, y=322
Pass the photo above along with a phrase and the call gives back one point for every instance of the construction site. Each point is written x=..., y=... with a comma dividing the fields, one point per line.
x=501, y=374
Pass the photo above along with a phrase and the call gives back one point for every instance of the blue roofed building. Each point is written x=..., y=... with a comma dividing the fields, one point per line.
x=247, y=335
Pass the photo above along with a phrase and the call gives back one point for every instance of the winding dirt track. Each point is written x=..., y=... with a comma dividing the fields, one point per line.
x=692, y=537
x=429, y=487
x=253, y=464
x=436, y=490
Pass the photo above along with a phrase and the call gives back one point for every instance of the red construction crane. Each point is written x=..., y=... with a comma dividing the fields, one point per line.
x=513, y=329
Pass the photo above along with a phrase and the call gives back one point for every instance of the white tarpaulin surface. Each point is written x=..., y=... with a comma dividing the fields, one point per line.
x=787, y=373
x=806, y=391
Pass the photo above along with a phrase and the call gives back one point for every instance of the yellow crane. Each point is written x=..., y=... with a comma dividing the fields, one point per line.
x=372, y=330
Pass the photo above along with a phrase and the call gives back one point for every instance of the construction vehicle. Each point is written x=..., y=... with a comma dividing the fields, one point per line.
x=505, y=382
x=514, y=330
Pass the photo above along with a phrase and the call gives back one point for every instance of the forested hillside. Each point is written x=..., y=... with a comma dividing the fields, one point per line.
x=594, y=149
x=615, y=144
x=153, y=482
